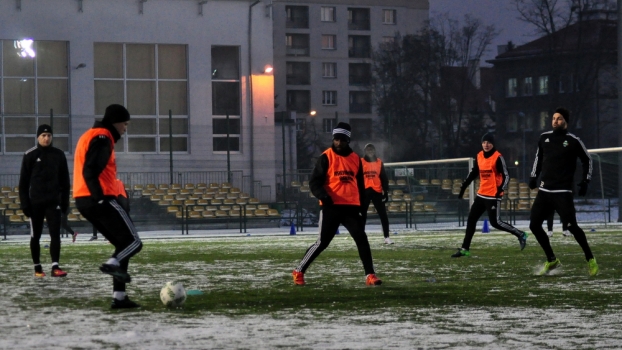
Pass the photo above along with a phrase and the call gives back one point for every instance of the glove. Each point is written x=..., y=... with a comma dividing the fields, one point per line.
x=327, y=201
x=27, y=212
x=385, y=196
x=499, y=193
x=462, y=190
x=533, y=183
x=582, y=188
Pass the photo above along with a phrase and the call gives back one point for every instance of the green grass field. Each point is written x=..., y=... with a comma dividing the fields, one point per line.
x=469, y=300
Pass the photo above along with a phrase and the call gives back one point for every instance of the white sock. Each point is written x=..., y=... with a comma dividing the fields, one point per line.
x=113, y=261
x=54, y=264
x=118, y=295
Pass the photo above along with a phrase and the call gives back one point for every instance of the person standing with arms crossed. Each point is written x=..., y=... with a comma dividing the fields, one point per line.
x=493, y=180
x=337, y=181
x=96, y=191
x=376, y=189
x=555, y=164
x=44, y=194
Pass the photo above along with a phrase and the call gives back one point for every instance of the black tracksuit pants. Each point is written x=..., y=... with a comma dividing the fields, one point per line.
x=52, y=213
x=563, y=203
x=115, y=224
x=481, y=205
x=330, y=219
x=381, y=209
x=549, y=223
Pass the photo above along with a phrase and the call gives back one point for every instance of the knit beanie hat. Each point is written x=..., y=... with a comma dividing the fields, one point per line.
x=488, y=137
x=342, y=131
x=565, y=113
x=43, y=128
x=115, y=114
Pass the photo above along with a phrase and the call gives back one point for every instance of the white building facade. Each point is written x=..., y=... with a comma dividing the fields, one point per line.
x=201, y=60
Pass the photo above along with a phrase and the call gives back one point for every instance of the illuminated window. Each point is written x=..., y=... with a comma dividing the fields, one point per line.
x=150, y=80
x=328, y=42
x=388, y=16
x=543, y=85
x=511, y=87
x=34, y=86
x=328, y=14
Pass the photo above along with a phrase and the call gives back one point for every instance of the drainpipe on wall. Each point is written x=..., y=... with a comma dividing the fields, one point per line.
x=250, y=95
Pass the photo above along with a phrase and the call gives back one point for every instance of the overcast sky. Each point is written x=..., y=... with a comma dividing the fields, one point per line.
x=497, y=12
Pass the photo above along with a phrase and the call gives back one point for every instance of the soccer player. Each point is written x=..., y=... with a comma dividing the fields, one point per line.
x=549, y=226
x=337, y=181
x=376, y=189
x=493, y=180
x=44, y=194
x=96, y=190
x=555, y=164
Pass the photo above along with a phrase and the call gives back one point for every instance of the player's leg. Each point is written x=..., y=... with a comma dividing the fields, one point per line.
x=37, y=214
x=351, y=222
x=365, y=205
x=567, y=213
x=53, y=217
x=477, y=209
x=549, y=224
x=540, y=210
x=381, y=209
x=493, y=207
x=328, y=225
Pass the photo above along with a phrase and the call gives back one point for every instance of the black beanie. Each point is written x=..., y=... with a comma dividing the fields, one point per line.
x=115, y=114
x=43, y=128
x=488, y=137
x=342, y=130
x=565, y=113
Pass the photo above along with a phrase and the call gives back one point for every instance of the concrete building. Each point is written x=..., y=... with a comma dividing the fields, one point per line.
x=322, y=61
x=201, y=60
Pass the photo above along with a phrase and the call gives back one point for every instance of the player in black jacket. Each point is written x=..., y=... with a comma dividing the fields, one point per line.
x=555, y=164
x=44, y=194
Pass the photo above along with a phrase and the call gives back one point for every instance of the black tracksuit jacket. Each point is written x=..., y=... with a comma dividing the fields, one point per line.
x=556, y=161
x=44, y=178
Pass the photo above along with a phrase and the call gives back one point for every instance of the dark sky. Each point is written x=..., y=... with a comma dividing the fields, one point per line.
x=497, y=12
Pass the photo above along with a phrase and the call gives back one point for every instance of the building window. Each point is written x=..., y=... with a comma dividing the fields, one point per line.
x=297, y=16
x=33, y=82
x=329, y=70
x=359, y=74
x=329, y=98
x=545, y=120
x=543, y=85
x=361, y=128
x=527, y=86
x=151, y=79
x=328, y=14
x=358, y=19
x=565, y=83
x=301, y=124
x=297, y=73
x=328, y=42
x=512, y=122
x=360, y=102
x=359, y=46
x=328, y=124
x=299, y=101
x=388, y=16
x=511, y=87
x=388, y=39
x=226, y=98
x=297, y=44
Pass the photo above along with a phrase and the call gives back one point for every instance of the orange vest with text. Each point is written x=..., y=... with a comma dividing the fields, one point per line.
x=371, y=173
x=341, y=182
x=107, y=178
x=489, y=178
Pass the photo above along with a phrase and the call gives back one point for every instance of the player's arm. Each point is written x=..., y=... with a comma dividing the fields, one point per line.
x=64, y=182
x=360, y=181
x=586, y=161
x=95, y=162
x=384, y=179
x=537, y=166
x=24, y=183
x=318, y=178
x=503, y=170
x=473, y=174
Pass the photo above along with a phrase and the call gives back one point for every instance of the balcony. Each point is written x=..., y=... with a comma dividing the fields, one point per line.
x=297, y=22
x=297, y=51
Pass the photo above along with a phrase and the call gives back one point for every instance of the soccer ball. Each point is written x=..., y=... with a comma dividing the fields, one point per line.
x=173, y=295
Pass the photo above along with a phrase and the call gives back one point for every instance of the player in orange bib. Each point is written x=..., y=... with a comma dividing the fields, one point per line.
x=337, y=181
x=493, y=180
x=376, y=188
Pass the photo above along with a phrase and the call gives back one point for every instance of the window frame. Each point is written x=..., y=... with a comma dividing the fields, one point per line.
x=329, y=98
x=333, y=68
x=325, y=17
x=392, y=20
x=331, y=43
